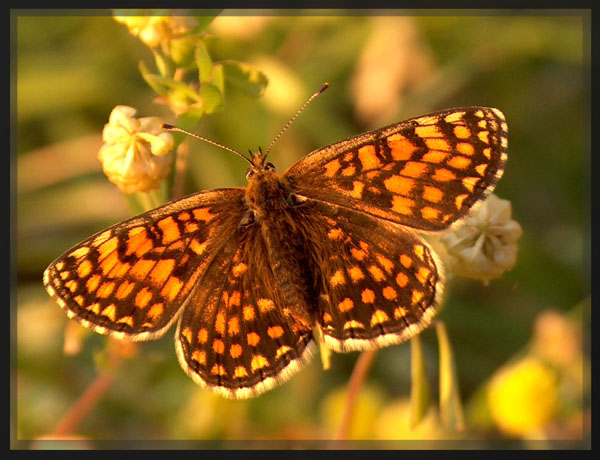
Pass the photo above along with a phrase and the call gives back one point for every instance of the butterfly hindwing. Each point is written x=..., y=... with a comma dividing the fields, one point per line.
x=131, y=280
x=425, y=173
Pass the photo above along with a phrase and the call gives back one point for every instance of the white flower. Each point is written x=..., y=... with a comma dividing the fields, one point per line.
x=485, y=245
x=136, y=152
x=153, y=29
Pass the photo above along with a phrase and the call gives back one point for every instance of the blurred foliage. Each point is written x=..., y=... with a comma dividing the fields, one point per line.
x=72, y=70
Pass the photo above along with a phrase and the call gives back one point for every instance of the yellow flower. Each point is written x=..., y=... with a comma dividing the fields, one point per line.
x=136, y=152
x=485, y=245
x=155, y=27
x=523, y=398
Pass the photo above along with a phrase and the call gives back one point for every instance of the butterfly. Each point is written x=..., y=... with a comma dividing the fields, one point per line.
x=333, y=244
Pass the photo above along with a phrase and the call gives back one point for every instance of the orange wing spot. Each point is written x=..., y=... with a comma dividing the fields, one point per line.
x=376, y=273
x=374, y=190
x=368, y=157
x=202, y=335
x=137, y=241
x=349, y=171
x=105, y=289
x=400, y=147
x=386, y=263
x=101, y=238
x=161, y=271
x=218, y=369
x=400, y=312
x=110, y=312
x=379, y=317
x=199, y=356
x=258, y=362
x=275, y=332
x=470, y=182
x=198, y=247
x=60, y=265
x=406, y=261
x=416, y=296
x=389, y=293
x=327, y=318
x=240, y=372
x=402, y=205
x=64, y=275
x=124, y=289
x=253, y=338
x=465, y=148
x=176, y=245
x=265, y=305
x=84, y=268
x=79, y=299
x=239, y=269
x=399, y=185
x=419, y=251
x=484, y=136
x=142, y=298
x=349, y=157
x=248, y=313
x=203, y=214
x=432, y=194
x=454, y=117
x=119, y=270
x=282, y=350
x=458, y=201
x=356, y=274
x=430, y=213
x=428, y=120
x=487, y=152
x=462, y=132
x=358, y=254
x=459, y=162
x=187, y=334
x=353, y=324
x=481, y=169
x=156, y=311
x=191, y=227
x=94, y=308
x=337, y=279
x=401, y=279
x=127, y=320
x=79, y=253
x=435, y=156
x=220, y=323
x=367, y=296
x=332, y=168
x=169, y=229
x=72, y=285
x=171, y=288
x=428, y=131
x=357, y=191
x=346, y=304
x=414, y=169
x=183, y=216
x=141, y=268
x=423, y=275
x=93, y=282
x=107, y=248
x=233, y=326
x=443, y=175
x=235, y=299
x=438, y=144
x=335, y=234
x=219, y=346
x=109, y=262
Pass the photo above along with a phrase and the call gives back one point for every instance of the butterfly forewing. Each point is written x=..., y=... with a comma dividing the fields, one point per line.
x=425, y=173
x=131, y=280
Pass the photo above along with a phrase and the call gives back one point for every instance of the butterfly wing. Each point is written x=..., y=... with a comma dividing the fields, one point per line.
x=237, y=337
x=132, y=280
x=424, y=173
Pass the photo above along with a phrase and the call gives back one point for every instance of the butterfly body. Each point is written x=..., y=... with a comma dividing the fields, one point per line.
x=331, y=244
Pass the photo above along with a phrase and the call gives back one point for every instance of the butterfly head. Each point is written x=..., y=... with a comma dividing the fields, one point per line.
x=259, y=165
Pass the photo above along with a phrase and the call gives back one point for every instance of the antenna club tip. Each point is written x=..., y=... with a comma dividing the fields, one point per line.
x=167, y=126
x=324, y=87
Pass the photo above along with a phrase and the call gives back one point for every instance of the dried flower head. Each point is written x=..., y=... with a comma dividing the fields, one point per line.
x=136, y=152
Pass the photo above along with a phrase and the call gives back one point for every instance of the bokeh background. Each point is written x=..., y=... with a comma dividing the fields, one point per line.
x=521, y=343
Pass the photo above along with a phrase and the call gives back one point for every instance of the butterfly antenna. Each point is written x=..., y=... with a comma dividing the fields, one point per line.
x=323, y=88
x=175, y=128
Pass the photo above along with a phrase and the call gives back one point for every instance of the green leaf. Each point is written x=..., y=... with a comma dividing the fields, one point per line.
x=203, y=61
x=205, y=21
x=163, y=64
x=451, y=411
x=156, y=82
x=212, y=98
x=245, y=77
x=182, y=50
x=217, y=78
x=419, y=391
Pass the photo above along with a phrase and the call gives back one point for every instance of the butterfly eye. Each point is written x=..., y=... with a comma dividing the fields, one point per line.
x=270, y=166
x=249, y=173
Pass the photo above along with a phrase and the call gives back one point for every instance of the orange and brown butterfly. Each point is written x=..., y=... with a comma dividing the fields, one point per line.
x=250, y=273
